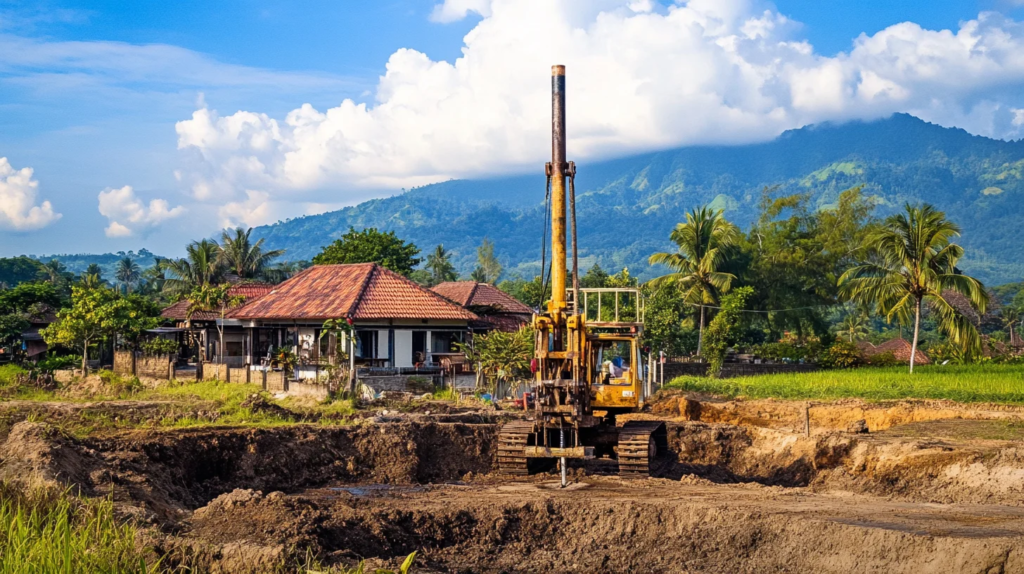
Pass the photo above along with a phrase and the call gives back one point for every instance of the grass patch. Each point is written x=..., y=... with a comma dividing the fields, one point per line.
x=44, y=532
x=988, y=383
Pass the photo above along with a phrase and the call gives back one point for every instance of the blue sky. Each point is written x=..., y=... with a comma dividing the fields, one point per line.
x=146, y=124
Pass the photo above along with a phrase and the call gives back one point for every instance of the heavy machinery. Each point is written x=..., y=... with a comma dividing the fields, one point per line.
x=587, y=361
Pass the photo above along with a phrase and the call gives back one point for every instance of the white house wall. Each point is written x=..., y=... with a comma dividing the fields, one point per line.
x=403, y=348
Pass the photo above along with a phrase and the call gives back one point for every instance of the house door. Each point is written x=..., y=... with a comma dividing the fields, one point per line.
x=419, y=347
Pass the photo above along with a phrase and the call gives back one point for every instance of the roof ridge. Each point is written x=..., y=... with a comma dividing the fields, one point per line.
x=476, y=285
x=425, y=290
x=358, y=299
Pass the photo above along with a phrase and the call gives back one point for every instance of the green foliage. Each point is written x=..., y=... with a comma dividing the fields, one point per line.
x=22, y=298
x=440, y=267
x=128, y=273
x=17, y=270
x=201, y=266
x=45, y=531
x=243, y=257
x=595, y=277
x=371, y=246
x=119, y=386
x=664, y=328
x=967, y=383
x=488, y=269
x=911, y=261
x=704, y=242
x=841, y=355
x=788, y=352
x=57, y=363
x=722, y=329
x=530, y=293
x=159, y=346
x=502, y=356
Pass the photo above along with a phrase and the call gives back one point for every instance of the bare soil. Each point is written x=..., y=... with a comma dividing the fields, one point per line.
x=739, y=492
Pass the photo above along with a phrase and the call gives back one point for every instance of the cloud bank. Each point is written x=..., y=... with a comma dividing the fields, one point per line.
x=642, y=75
x=129, y=216
x=18, y=208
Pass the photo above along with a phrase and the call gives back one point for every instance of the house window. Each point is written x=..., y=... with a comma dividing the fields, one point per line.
x=366, y=344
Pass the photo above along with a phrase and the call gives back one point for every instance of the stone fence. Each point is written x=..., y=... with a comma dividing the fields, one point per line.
x=128, y=363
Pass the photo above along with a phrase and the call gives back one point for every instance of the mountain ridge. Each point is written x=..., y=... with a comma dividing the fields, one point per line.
x=627, y=206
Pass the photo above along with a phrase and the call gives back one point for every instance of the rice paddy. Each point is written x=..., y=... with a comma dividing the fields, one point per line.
x=984, y=383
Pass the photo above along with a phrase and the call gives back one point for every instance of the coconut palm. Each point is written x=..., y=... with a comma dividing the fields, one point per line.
x=199, y=267
x=55, y=271
x=91, y=281
x=128, y=273
x=440, y=266
x=1011, y=317
x=912, y=262
x=703, y=243
x=242, y=257
x=854, y=326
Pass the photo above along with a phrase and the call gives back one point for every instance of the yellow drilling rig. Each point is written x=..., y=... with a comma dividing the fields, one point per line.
x=587, y=361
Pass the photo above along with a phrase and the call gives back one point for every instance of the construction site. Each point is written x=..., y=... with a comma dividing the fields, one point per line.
x=592, y=470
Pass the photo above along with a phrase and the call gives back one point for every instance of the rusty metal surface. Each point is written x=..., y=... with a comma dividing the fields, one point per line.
x=559, y=166
x=585, y=452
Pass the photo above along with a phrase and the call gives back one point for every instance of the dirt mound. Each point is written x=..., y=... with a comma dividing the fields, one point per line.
x=37, y=454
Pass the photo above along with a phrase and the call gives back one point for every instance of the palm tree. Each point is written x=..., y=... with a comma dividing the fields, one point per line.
x=128, y=273
x=242, y=257
x=854, y=326
x=912, y=261
x=199, y=267
x=704, y=241
x=440, y=266
x=55, y=271
x=91, y=281
x=1011, y=317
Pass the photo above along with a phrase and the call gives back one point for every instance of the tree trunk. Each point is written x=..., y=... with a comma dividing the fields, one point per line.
x=917, y=331
x=85, y=358
x=700, y=334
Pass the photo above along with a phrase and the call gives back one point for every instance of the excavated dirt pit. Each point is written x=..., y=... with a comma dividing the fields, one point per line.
x=729, y=498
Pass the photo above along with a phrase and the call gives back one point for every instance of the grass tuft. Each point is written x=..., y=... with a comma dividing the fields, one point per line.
x=52, y=532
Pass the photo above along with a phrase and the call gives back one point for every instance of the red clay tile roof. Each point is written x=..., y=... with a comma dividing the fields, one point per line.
x=473, y=294
x=360, y=291
x=900, y=348
x=249, y=291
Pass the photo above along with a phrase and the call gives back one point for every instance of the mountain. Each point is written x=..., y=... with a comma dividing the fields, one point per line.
x=626, y=207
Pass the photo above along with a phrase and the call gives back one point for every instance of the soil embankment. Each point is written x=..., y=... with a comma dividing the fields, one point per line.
x=741, y=498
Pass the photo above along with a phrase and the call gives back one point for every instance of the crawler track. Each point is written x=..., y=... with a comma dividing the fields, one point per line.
x=640, y=445
x=513, y=438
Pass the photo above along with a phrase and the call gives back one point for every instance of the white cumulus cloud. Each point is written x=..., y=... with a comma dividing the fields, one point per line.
x=642, y=75
x=18, y=208
x=255, y=210
x=129, y=216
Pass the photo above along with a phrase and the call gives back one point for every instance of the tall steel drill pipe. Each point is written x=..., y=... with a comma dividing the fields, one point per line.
x=558, y=167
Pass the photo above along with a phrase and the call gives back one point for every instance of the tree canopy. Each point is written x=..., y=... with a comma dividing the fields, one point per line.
x=371, y=246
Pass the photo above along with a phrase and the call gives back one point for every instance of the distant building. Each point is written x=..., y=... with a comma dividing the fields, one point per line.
x=899, y=347
x=398, y=323
x=496, y=309
x=199, y=334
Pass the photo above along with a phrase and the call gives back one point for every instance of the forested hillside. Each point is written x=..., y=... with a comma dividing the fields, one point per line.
x=628, y=206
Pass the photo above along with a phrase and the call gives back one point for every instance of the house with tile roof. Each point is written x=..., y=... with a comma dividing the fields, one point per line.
x=900, y=348
x=397, y=323
x=496, y=309
x=199, y=336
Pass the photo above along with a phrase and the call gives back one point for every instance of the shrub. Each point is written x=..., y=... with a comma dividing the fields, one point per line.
x=841, y=355
x=721, y=330
x=51, y=364
x=159, y=346
x=121, y=386
x=886, y=359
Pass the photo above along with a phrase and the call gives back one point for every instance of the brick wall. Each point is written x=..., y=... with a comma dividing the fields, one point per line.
x=156, y=366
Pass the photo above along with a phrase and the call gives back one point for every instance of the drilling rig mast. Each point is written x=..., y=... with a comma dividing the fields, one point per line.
x=588, y=364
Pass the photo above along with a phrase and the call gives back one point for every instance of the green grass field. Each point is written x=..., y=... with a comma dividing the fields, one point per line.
x=961, y=383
